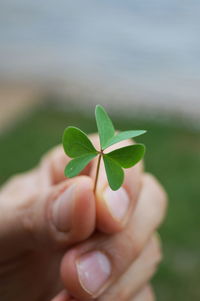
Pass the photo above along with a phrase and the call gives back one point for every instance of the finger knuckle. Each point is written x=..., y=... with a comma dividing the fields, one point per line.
x=130, y=246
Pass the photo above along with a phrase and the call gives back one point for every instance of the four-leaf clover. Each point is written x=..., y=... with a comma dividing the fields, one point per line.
x=79, y=147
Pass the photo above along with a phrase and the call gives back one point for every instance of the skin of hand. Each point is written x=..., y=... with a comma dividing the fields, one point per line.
x=58, y=240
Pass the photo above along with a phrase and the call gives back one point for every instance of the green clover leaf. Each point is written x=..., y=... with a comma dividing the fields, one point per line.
x=76, y=143
x=104, y=125
x=128, y=156
x=79, y=147
x=114, y=172
x=76, y=165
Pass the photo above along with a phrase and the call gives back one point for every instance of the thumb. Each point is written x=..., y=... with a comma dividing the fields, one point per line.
x=61, y=216
x=66, y=214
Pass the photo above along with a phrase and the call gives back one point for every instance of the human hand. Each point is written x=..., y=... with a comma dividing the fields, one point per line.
x=48, y=223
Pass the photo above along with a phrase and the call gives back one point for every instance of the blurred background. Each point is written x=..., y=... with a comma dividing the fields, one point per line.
x=141, y=60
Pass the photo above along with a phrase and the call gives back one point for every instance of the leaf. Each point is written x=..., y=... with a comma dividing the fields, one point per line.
x=104, y=124
x=123, y=136
x=129, y=155
x=75, y=166
x=114, y=172
x=76, y=143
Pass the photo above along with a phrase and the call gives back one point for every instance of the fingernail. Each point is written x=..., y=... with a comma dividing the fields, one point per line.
x=62, y=209
x=94, y=269
x=117, y=201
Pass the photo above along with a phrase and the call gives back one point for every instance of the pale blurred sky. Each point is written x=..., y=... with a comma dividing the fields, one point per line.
x=146, y=50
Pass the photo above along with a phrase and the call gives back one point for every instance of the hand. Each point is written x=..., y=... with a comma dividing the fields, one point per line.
x=49, y=242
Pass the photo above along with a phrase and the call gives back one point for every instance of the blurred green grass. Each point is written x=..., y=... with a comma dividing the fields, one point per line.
x=173, y=155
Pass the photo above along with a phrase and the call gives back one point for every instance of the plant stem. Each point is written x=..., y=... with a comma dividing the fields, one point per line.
x=97, y=173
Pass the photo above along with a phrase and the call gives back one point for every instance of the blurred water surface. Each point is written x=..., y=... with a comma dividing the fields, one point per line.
x=149, y=50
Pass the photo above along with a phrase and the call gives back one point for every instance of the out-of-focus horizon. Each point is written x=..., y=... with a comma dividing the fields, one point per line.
x=136, y=54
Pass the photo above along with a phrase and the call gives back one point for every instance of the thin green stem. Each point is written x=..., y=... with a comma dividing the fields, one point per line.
x=97, y=172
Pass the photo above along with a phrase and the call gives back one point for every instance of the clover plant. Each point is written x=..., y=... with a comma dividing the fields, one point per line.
x=78, y=146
